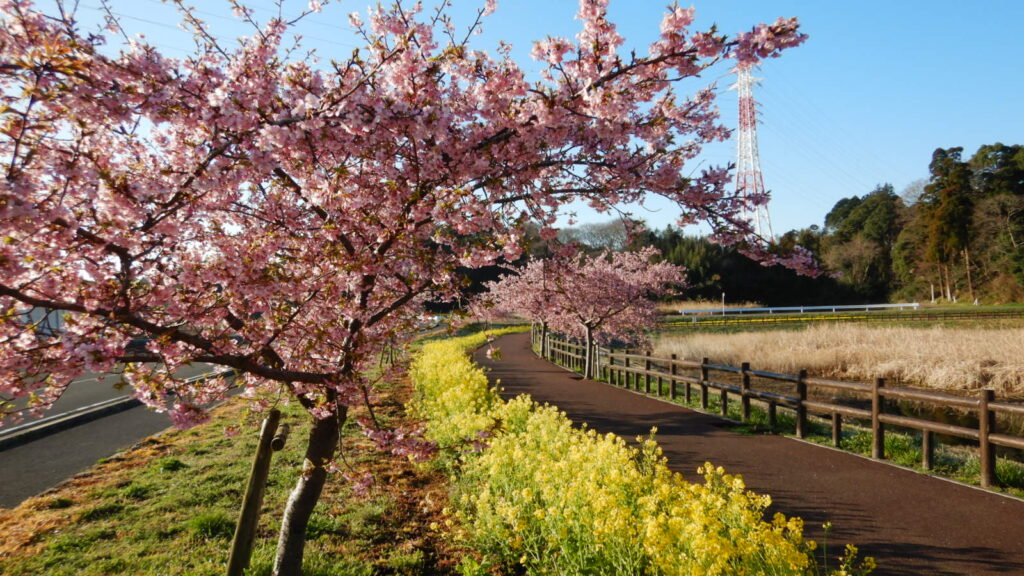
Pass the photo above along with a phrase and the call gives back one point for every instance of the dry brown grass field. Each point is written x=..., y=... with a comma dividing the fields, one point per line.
x=674, y=306
x=939, y=357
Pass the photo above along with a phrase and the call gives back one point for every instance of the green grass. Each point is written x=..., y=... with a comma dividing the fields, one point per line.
x=170, y=507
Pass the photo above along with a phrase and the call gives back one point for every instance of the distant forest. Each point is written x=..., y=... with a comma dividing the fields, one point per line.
x=956, y=236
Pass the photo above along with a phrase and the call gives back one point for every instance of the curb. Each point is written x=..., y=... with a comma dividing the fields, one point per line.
x=25, y=433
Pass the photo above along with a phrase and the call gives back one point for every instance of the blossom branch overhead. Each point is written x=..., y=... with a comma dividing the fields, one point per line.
x=250, y=208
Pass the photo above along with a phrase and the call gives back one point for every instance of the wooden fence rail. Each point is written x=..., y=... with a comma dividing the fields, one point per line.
x=804, y=396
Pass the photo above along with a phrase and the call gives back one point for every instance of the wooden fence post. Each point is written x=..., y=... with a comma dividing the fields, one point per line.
x=773, y=416
x=877, y=428
x=704, y=383
x=647, y=370
x=723, y=397
x=672, y=380
x=927, y=449
x=986, y=452
x=245, y=531
x=837, y=429
x=744, y=395
x=626, y=373
x=687, y=389
x=801, y=408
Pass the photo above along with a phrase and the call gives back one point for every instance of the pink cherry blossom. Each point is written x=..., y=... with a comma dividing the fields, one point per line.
x=594, y=299
x=246, y=208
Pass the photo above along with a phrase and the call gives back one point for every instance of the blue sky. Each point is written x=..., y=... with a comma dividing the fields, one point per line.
x=876, y=88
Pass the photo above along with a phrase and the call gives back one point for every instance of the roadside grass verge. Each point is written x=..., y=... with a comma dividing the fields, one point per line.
x=168, y=506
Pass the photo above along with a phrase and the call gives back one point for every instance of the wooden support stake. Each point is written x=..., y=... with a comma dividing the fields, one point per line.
x=277, y=444
x=245, y=531
x=773, y=415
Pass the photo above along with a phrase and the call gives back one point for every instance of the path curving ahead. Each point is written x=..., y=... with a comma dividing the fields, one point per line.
x=911, y=523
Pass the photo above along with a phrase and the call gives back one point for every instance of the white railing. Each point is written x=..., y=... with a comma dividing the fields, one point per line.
x=800, y=309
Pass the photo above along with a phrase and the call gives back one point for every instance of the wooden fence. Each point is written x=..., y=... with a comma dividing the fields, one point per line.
x=804, y=396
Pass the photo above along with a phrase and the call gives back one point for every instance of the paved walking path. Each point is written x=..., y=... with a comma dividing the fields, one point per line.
x=911, y=523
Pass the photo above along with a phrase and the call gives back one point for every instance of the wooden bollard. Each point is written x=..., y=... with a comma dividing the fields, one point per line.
x=245, y=531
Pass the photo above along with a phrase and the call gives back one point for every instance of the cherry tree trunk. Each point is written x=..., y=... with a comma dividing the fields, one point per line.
x=543, y=339
x=323, y=442
x=588, y=365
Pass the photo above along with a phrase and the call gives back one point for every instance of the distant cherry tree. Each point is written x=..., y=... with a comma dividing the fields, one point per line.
x=530, y=292
x=601, y=298
x=283, y=217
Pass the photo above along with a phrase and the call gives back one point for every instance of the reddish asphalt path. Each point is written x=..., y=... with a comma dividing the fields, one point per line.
x=911, y=523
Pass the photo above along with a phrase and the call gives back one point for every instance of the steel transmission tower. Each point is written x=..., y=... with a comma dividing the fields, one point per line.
x=749, y=181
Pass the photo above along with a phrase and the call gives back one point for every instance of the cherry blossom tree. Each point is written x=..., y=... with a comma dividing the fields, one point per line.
x=530, y=292
x=595, y=299
x=257, y=209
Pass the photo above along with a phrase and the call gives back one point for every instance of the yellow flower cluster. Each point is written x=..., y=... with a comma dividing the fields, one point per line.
x=452, y=393
x=555, y=499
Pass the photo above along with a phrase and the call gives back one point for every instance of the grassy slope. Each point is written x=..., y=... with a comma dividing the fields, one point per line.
x=168, y=506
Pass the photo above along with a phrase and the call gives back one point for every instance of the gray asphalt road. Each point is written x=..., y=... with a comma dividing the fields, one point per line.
x=42, y=464
x=91, y=388
x=31, y=468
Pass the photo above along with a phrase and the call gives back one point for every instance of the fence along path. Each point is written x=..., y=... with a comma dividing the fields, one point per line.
x=831, y=399
x=910, y=522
